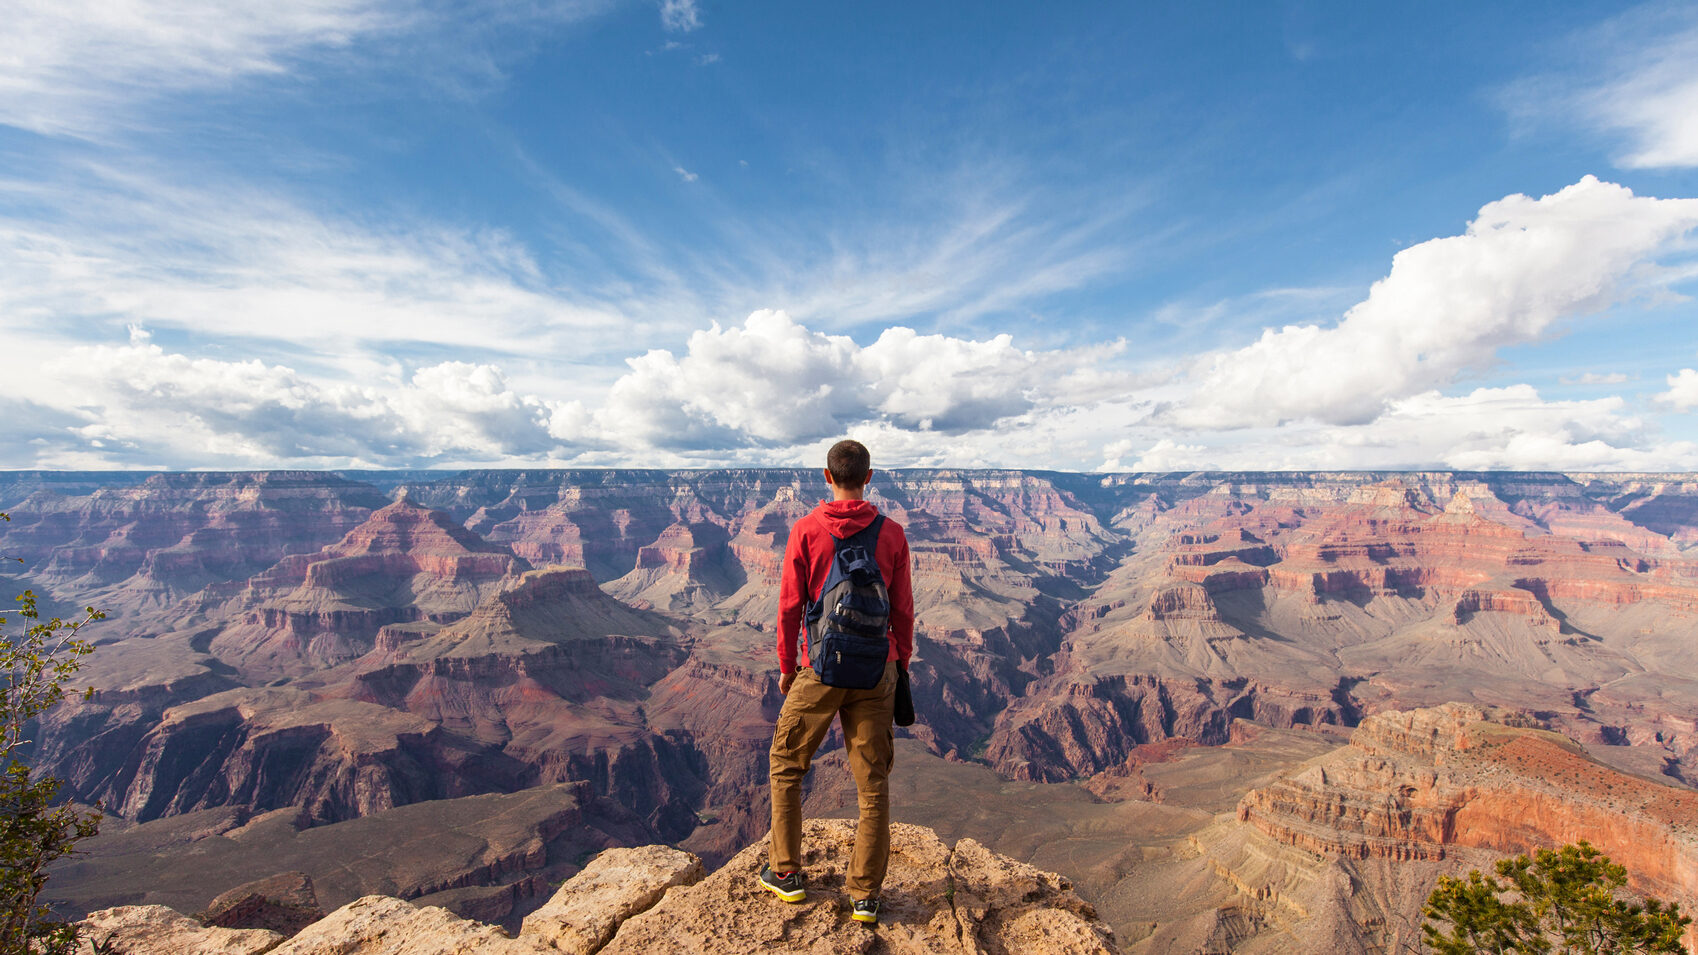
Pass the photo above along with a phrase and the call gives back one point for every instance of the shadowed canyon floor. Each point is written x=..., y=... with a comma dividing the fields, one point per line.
x=1117, y=668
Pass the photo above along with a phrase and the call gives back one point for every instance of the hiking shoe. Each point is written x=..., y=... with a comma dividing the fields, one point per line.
x=785, y=885
x=866, y=910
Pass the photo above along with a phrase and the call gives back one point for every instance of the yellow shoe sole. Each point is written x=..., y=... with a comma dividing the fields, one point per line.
x=799, y=895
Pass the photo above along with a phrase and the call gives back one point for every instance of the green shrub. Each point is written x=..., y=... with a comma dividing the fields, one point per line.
x=1567, y=900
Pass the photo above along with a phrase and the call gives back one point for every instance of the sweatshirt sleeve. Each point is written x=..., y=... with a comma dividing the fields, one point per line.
x=792, y=602
x=901, y=589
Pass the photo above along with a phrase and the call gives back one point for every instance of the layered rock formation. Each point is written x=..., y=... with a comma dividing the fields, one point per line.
x=1419, y=784
x=404, y=565
x=1315, y=600
x=298, y=642
x=1439, y=791
x=684, y=569
x=135, y=549
x=539, y=684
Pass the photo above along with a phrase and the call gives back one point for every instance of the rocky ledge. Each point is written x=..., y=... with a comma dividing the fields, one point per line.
x=656, y=900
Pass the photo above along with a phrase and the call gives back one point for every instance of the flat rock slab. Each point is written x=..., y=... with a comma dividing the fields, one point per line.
x=157, y=930
x=617, y=885
x=936, y=901
x=378, y=925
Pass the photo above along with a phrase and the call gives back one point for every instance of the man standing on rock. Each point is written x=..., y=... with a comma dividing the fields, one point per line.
x=861, y=648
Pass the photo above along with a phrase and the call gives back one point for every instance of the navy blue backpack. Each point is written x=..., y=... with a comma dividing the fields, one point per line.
x=849, y=625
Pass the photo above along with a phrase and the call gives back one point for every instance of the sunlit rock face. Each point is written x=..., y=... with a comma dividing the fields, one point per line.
x=1430, y=783
x=346, y=645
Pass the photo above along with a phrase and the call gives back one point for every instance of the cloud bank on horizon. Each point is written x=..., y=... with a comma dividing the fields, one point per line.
x=372, y=233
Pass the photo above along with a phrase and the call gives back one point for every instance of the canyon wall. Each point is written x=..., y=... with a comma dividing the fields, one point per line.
x=343, y=644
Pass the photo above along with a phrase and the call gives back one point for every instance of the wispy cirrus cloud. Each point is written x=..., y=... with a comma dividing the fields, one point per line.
x=293, y=329
x=1629, y=78
x=76, y=67
x=983, y=242
x=90, y=68
x=1651, y=97
x=950, y=247
x=95, y=247
x=108, y=247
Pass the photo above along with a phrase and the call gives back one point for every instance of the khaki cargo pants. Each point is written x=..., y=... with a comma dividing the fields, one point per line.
x=866, y=716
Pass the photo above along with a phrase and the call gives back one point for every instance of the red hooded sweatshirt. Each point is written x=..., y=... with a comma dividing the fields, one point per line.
x=807, y=561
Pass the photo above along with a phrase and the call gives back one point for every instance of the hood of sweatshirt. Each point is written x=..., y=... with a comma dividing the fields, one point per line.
x=843, y=518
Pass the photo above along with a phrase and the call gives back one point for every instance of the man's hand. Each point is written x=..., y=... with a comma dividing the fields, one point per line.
x=785, y=682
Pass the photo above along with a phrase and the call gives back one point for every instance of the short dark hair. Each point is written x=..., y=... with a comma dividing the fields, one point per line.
x=849, y=464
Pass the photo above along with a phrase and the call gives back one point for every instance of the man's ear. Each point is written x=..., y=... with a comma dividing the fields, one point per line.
x=827, y=473
x=869, y=479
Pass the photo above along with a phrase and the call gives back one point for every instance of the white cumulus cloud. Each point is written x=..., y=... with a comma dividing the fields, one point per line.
x=774, y=382
x=1511, y=428
x=141, y=404
x=1167, y=455
x=1515, y=428
x=1683, y=390
x=1447, y=306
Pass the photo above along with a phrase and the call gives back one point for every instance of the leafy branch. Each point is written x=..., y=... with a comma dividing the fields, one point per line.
x=35, y=827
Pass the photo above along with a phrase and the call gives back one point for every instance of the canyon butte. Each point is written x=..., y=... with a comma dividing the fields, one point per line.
x=1237, y=712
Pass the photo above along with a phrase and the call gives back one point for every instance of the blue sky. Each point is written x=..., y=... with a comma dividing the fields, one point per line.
x=334, y=233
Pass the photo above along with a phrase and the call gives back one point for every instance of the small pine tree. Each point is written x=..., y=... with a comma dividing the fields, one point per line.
x=1566, y=901
x=35, y=828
